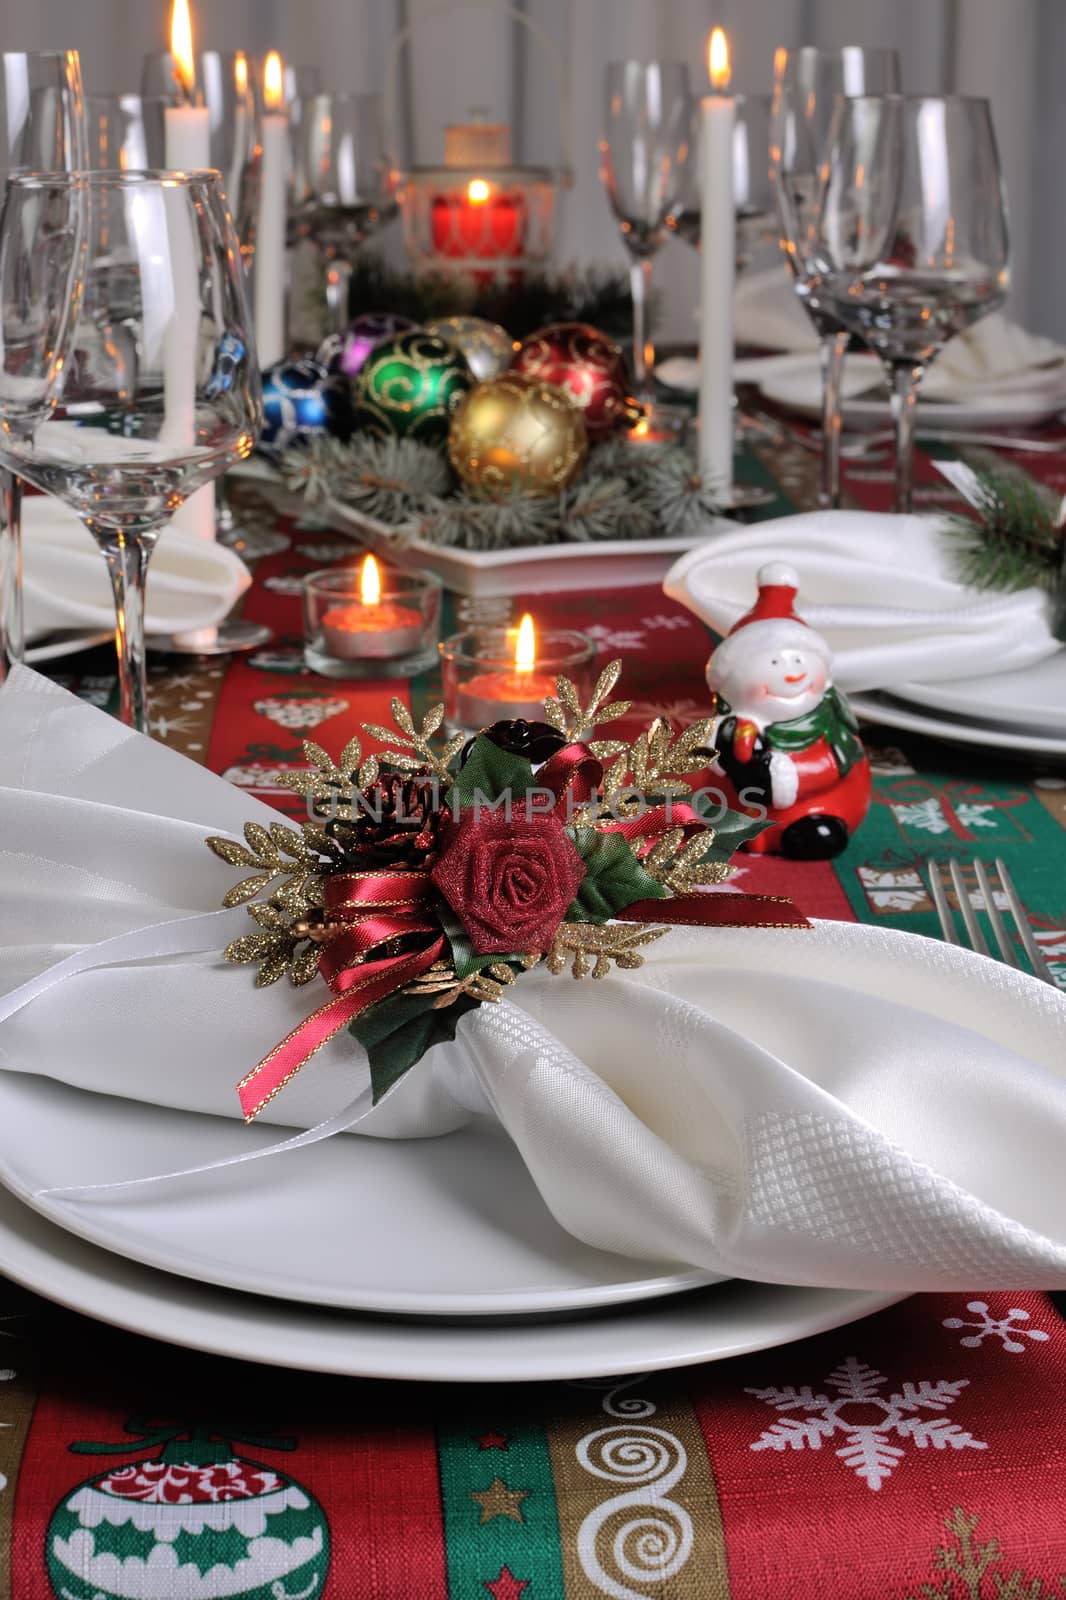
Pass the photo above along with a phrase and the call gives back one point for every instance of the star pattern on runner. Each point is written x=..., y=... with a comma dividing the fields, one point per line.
x=500, y=1501
x=506, y=1586
x=491, y=1440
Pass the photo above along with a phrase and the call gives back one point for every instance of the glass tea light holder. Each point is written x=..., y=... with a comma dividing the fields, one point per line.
x=371, y=621
x=500, y=674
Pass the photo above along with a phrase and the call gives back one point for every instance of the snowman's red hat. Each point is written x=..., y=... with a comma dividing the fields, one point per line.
x=778, y=587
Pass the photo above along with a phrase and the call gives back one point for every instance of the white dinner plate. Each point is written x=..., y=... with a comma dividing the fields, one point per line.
x=418, y=1227
x=797, y=387
x=708, y=1325
x=1032, y=699
x=884, y=711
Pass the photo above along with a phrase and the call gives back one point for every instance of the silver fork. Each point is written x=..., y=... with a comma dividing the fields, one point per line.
x=978, y=942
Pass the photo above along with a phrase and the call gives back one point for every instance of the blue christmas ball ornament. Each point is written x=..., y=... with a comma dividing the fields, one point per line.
x=301, y=399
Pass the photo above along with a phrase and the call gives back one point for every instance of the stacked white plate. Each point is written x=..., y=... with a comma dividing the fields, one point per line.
x=1019, y=713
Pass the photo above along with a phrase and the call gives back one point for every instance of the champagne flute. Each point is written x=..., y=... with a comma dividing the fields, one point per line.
x=160, y=390
x=807, y=83
x=645, y=147
x=42, y=126
x=911, y=239
x=342, y=188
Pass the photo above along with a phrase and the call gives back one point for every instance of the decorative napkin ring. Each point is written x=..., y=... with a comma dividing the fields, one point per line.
x=433, y=876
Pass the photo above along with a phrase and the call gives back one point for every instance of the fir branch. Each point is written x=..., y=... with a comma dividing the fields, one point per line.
x=1018, y=540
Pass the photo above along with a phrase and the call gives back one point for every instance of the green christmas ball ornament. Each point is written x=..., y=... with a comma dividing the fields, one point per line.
x=411, y=386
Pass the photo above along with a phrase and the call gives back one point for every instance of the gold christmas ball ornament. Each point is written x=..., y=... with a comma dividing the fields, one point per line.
x=516, y=433
x=488, y=348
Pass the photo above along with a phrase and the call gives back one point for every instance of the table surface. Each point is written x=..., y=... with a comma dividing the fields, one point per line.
x=917, y=1455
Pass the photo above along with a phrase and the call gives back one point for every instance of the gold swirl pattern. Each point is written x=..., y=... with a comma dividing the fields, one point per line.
x=488, y=348
x=639, y=1536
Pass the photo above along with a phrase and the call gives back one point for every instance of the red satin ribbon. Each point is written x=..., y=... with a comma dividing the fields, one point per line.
x=373, y=909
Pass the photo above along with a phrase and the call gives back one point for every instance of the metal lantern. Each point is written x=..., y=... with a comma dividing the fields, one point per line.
x=478, y=215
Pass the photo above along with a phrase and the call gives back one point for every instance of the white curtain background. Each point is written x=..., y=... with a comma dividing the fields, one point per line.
x=1014, y=51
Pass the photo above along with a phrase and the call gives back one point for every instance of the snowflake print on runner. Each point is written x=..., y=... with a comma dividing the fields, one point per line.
x=1006, y=1328
x=616, y=638
x=299, y=710
x=928, y=816
x=889, y=889
x=866, y=1420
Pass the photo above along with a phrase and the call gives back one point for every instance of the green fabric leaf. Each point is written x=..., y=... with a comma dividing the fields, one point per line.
x=397, y=1032
x=731, y=828
x=465, y=958
x=489, y=772
x=613, y=879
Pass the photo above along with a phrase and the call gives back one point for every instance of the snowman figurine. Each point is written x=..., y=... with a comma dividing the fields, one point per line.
x=787, y=741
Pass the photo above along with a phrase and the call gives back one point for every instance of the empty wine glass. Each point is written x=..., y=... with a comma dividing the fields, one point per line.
x=160, y=390
x=807, y=83
x=911, y=236
x=752, y=191
x=342, y=187
x=125, y=132
x=645, y=147
x=42, y=126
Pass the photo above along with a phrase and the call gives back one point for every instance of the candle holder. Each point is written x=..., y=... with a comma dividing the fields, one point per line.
x=482, y=685
x=395, y=636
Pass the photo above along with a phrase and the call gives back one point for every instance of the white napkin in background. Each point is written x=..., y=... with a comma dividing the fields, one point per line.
x=191, y=583
x=881, y=589
x=884, y=1122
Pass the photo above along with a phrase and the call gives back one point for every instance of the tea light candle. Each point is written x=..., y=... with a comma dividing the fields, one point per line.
x=370, y=629
x=501, y=695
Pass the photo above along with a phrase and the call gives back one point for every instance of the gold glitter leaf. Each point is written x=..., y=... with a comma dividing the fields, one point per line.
x=568, y=697
x=288, y=841
x=605, y=749
x=245, y=890
x=432, y=720
x=453, y=747
x=610, y=713
x=232, y=853
x=401, y=716
x=266, y=851
x=383, y=735
x=351, y=756
x=249, y=947
x=607, y=680
x=368, y=772
x=554, y=714
x=270, y=917
x=304, y=967
x=590, y=947
x=274, y=967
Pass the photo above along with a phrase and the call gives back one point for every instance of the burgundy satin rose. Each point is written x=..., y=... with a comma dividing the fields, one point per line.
x=509, y=882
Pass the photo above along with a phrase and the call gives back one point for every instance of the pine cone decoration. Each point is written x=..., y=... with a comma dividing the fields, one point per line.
x=394, y=825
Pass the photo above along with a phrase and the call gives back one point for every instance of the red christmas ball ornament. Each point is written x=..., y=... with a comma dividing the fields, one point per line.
x=588, y=367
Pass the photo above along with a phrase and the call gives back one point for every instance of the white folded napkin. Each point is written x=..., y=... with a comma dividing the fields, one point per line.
x=192, y=582
x=881, y=589
x=841, y=1106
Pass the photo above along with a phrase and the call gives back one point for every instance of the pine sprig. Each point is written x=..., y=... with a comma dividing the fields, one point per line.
x=1018, y=540
x=624, y=492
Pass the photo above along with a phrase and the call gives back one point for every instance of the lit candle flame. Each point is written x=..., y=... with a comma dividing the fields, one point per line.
x=273, y=82
x=240, y=73
x=370, y=582
x=477, y=191
x=525, y=650
x=181, y=48
x=718, y=61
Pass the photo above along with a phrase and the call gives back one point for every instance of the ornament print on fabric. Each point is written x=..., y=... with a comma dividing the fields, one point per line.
x=866, y=1420
x=299, y=710
x=195, y=1521
x=1007, y=1328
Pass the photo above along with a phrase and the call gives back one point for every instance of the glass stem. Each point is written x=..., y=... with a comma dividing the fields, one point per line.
x=640, y=281
x=127, y=555
x=338, y=278
x=12, y=635
x=225, y=521
x=904, y=380
x=833, y=348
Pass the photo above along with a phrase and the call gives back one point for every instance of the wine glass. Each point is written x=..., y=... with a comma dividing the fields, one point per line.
x=125, y=132
x=160, y=390
x=911, y=241
x=644, y=151
x=752, y=191
x=807, y=83
x=42, y=126
x=342, y=188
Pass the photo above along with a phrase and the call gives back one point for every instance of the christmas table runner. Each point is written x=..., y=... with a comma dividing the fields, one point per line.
x=912, y=1456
